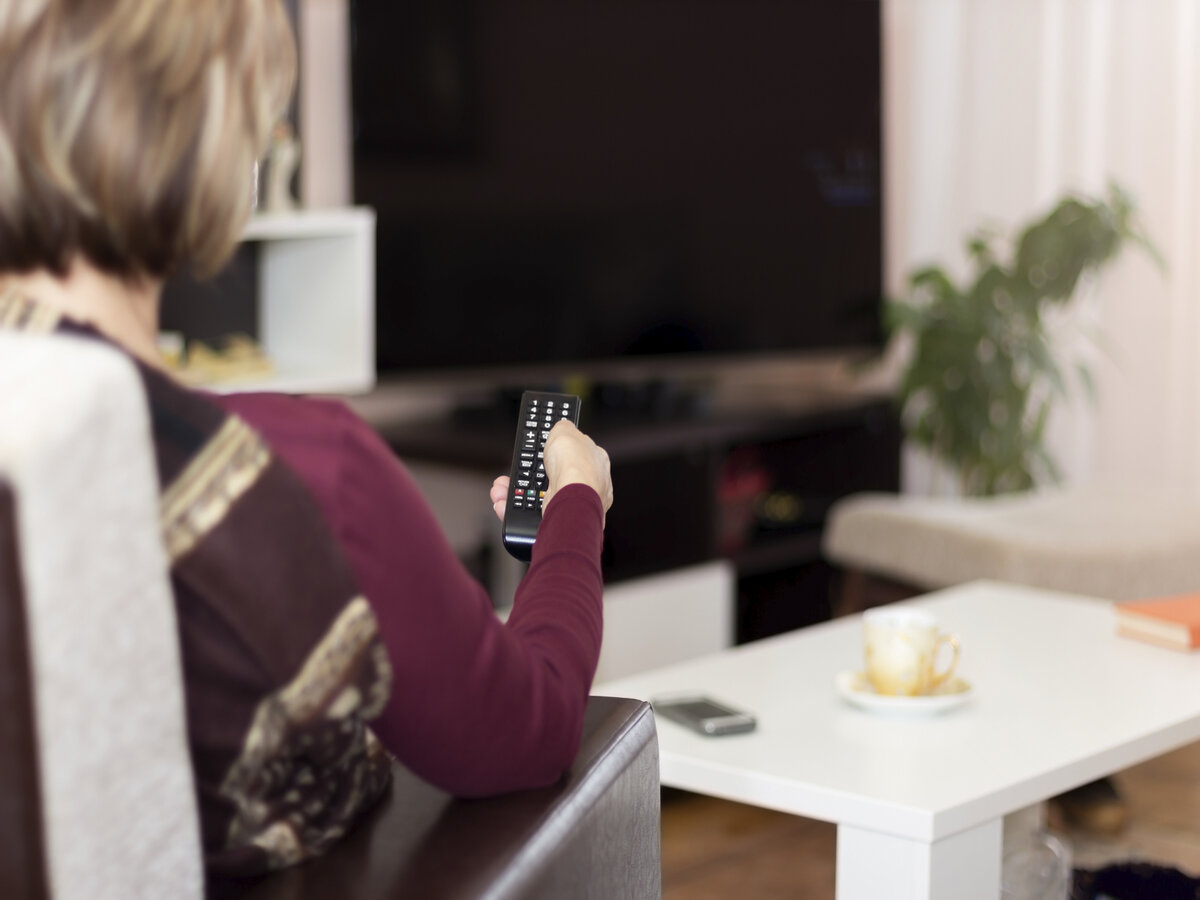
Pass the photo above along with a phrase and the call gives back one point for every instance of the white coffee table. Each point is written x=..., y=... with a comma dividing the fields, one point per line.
x=1058, y=700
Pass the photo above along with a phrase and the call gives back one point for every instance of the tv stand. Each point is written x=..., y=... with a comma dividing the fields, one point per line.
x=654, y=400
x=749, y=485
x=605, y=403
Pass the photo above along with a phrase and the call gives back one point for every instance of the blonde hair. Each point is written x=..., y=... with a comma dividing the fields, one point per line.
x=129, y=129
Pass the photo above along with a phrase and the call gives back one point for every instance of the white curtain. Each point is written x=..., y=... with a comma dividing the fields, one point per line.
x=994, y=108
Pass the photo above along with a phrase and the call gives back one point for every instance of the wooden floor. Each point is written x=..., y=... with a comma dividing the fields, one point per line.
x=713, y=849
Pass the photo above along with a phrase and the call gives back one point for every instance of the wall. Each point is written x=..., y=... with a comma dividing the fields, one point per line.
x=994, y=108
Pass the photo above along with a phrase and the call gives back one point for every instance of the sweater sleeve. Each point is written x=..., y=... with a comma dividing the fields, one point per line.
x=478, y=706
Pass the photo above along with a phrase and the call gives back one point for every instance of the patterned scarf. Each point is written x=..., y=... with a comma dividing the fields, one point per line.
x=283, y=663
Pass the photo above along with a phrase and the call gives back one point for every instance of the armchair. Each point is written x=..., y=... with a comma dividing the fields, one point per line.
x=96, y=793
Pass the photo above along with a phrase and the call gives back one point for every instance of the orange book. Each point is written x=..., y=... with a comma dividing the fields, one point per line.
x=1167, y=621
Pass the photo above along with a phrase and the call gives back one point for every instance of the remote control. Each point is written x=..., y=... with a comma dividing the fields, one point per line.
x=523, y=511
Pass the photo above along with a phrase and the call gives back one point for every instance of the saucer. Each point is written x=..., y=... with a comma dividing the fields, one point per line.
x=856, y=689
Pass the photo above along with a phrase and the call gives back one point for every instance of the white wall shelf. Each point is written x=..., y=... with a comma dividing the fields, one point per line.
x=316, y=301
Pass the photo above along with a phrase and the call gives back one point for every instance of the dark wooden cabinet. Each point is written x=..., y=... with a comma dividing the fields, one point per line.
x=753, y=487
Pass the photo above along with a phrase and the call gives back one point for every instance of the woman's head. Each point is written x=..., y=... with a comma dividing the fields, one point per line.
x=129, y=129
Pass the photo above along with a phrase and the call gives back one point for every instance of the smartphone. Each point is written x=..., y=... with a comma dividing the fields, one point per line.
x=704, y=715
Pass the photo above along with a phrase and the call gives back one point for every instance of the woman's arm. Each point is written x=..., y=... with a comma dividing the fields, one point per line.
x=477, y=706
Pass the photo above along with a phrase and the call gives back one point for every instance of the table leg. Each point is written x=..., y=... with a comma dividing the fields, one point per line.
x=875, y=866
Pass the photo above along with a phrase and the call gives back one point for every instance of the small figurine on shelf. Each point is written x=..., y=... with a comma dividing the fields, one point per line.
x=283, y=157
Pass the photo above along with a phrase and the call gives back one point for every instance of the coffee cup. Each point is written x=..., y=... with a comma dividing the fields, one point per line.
x=902, y=646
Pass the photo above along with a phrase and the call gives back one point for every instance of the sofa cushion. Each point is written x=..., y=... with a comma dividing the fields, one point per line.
x=1104, y=541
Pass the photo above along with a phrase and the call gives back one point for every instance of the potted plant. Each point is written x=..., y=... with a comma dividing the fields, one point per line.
x=977, y=390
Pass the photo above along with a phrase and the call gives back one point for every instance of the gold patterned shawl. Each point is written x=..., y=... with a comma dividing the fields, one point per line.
x=283, y=663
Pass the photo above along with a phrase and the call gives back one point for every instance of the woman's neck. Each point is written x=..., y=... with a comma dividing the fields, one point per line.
x=126, y=312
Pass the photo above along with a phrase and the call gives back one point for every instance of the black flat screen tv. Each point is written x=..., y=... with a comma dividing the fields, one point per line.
x=570, y=186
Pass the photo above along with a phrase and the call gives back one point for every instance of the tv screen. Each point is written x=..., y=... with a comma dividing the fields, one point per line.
x=567, y=183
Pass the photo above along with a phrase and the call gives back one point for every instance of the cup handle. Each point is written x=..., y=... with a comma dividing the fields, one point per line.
x=941, y=677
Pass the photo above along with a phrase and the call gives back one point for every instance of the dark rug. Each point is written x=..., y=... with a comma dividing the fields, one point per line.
x=1134, y=881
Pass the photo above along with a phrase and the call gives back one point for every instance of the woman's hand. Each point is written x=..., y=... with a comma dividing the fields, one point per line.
x=571, y=457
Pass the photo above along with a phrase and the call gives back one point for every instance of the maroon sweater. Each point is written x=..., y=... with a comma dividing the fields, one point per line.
x=478, y=706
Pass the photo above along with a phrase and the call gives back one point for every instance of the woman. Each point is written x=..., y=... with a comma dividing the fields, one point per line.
x=128, y=136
